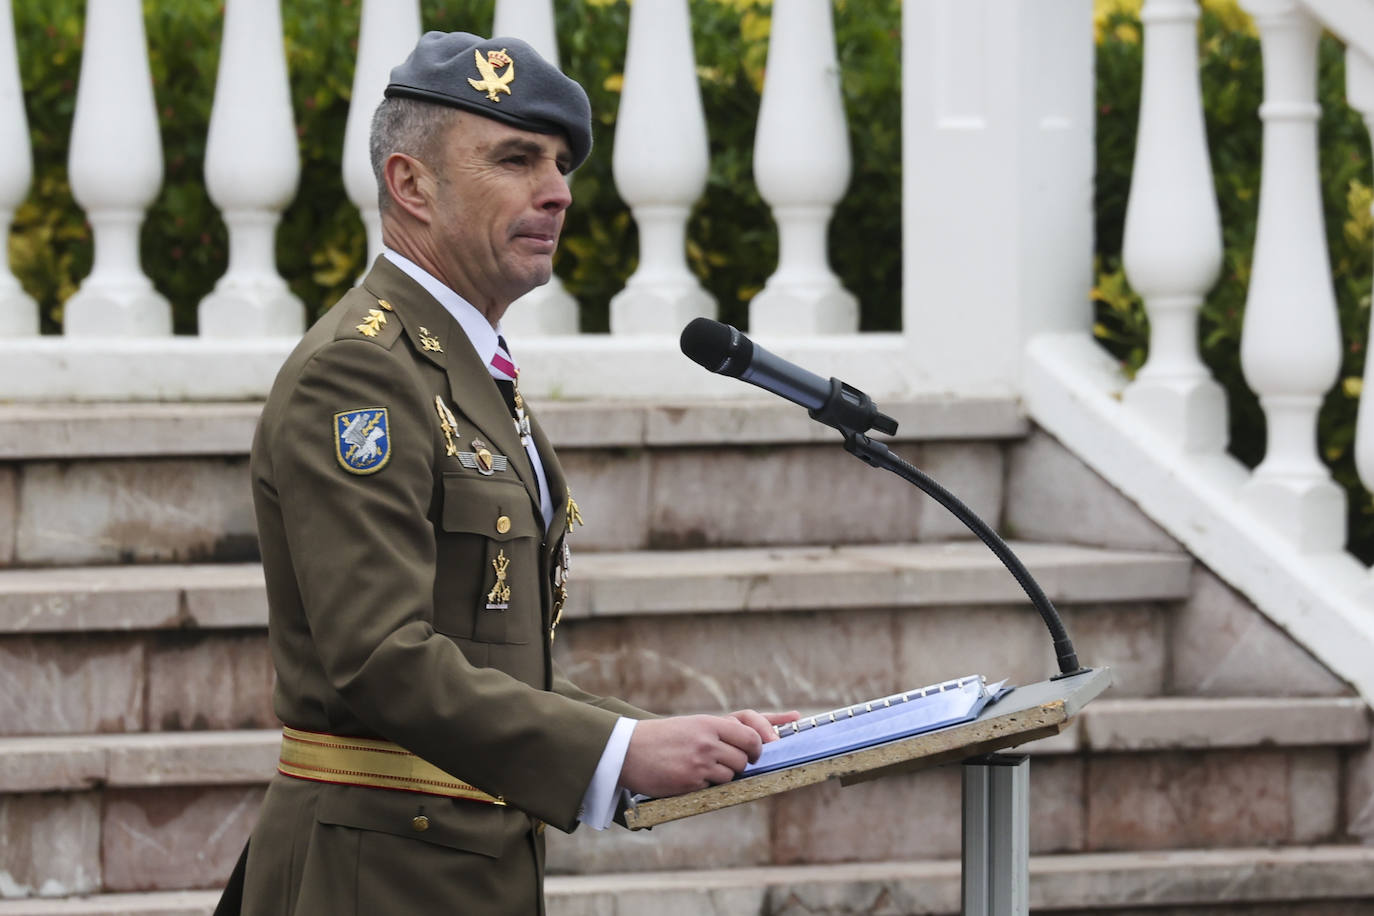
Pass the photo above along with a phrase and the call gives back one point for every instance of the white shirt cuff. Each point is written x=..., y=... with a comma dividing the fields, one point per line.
x=599, y=803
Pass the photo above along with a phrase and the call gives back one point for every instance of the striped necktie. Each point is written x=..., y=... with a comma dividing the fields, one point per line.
x=502, y=365
x=505, y=373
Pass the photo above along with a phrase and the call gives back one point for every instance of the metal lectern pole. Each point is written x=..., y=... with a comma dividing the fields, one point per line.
x=997, y=835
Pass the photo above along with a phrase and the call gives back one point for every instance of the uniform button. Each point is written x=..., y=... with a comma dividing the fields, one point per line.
x=503, y=524
x=420, y=823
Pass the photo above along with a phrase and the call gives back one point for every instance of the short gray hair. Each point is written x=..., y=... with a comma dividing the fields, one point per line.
x=408, y=126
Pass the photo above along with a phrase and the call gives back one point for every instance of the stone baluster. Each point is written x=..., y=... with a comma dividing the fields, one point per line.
x=386, y=34
x=548, y=309
x=1359, y=90
x=115, y=166
x=18, y=311
x=252, y=167
x=1291, y=345
x=660, y=164
x=1172, y=247
x=802, y=167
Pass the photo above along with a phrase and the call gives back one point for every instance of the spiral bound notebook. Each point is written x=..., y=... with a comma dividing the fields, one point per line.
x=877, y=721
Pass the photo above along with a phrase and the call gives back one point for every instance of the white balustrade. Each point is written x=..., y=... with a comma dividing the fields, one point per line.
x=252, y=167
x=660, y=165
x=1291, y=345
x=18, y=311
x=1172, y=247
x=802, y=167
x=115, y=164
x=549, y=309
x=387, y=33
x=1359, y=90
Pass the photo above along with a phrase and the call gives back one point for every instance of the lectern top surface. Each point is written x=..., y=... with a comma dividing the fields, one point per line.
x=1027, y=713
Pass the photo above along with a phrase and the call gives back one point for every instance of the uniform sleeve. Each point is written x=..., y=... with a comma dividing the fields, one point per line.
x=564, y=687
x=363, y=548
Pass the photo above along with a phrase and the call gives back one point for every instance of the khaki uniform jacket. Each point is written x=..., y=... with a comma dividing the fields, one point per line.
x=377, y=588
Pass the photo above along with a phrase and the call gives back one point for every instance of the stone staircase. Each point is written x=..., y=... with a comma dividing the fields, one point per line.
x=734, y=556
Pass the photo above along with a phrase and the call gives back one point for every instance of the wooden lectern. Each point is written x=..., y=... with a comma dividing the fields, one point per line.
x=996, y=830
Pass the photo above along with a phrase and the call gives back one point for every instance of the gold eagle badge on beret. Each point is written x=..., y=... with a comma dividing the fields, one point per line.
x=490, y=83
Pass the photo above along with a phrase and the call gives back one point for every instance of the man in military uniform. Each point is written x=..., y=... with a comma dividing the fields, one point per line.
x=412, y=518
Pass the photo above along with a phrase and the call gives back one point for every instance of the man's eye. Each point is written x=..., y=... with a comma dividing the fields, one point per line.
x=517, y=159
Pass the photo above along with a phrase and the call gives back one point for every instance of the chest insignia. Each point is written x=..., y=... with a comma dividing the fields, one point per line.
x=564, y=567
x=481, y=460
x=498, y=599
x=448, y=424
x=362, y=439
x=574, y=512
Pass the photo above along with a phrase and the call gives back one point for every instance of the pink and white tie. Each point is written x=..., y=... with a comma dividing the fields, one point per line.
x=502, y=365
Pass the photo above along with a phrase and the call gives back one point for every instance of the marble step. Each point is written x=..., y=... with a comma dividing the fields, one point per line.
x=75, y=431
x=627, y=583
x=171, y=648
x=1301, y=881
x=164, y=483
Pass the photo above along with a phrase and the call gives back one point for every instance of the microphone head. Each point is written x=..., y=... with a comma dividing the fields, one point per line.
x=717, y=347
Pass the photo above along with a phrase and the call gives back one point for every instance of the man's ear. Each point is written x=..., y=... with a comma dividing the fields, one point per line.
x=410, y=184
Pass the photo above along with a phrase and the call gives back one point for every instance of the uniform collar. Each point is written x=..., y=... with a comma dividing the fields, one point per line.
x=479, y=331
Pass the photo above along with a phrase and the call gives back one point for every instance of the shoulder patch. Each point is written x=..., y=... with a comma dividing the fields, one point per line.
x=362, y=439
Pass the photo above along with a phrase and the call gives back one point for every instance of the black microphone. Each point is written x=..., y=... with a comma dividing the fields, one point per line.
x=723, y=350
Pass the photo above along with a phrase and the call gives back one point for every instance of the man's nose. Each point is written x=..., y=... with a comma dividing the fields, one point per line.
x=554, y=193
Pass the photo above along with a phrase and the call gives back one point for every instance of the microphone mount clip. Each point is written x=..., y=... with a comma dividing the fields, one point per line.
x=852, y=412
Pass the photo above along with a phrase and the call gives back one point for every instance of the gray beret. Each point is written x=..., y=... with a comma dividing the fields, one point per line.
x=500, y=78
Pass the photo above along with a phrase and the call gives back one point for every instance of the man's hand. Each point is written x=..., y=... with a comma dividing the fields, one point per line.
x=685, y=753
x=764, y=722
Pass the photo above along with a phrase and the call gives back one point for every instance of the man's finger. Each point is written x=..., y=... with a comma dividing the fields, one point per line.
x=737, y=734
x=719, y=774
x=765, y=723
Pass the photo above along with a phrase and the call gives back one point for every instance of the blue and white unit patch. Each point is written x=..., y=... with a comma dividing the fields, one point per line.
x=362, y=439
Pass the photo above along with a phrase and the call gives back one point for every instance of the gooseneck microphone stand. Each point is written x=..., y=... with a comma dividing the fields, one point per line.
x=853, y=413
x=995, y=863
x=996, y=796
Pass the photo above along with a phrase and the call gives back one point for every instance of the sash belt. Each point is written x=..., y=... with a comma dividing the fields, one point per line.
x=368, y=762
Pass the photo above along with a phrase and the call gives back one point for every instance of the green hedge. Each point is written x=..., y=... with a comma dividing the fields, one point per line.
x=733, y=248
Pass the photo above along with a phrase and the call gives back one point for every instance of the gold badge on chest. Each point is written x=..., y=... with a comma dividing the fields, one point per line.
x=448, y=425
x=498, y=599
x=564, y=567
